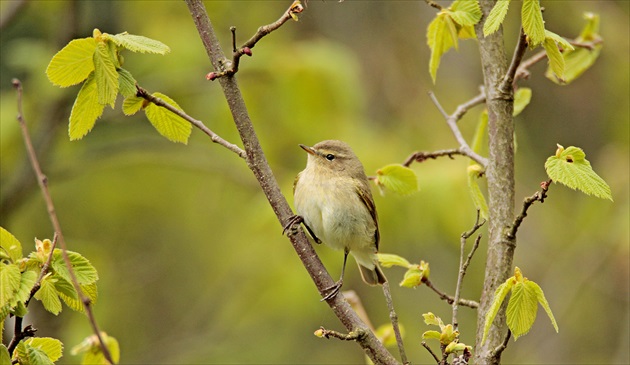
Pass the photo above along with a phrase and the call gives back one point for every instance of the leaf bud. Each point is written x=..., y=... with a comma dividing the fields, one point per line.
x=247, y=51
x=211, y=76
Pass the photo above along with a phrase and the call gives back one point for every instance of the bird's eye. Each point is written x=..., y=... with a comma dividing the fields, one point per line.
x=330, y=157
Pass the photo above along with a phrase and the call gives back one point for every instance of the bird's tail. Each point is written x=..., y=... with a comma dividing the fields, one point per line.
x=374, y=276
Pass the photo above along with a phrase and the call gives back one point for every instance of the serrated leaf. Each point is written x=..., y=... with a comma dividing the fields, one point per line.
x=27, y=281
x=433, y=335
x=52, y=347
x=452, y=30
x=85, y=111
x=105, y=75
x=21, y=354
x=467, y=32
x=556, y=61
x=10, y=278
x=397, y=179
x=10, y=245
x=496, y=17
x=137, y=43
x=73, y=302
x=5, y=357
x=389, y=260
x=412, y=278
x=533, y=23
x=47, y=294
x=432, y=319
x=132, y=104
x=499, y=296
x=540, y=296
x=476, y=195
x=521, y=309
x=465, y=12
x=522, y=97
x=83, y=269
x=73, y=63
x=439, y=41
x=65, y=288
x=170, y=125
x=571, y=168
x=566, y=46
x=36, y=356
x=126, y=83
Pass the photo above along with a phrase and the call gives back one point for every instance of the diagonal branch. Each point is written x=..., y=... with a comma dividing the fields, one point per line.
x=538, y=196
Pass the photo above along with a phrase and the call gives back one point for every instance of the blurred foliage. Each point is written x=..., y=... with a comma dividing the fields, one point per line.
x=192, y=265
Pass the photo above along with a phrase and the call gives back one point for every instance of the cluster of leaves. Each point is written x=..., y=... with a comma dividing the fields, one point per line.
x=522, y=306
x=415, y=275
x=448, y=336
x=18, y=278
x=97, y=63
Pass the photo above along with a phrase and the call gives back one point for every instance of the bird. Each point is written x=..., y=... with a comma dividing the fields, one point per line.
x=333, y=200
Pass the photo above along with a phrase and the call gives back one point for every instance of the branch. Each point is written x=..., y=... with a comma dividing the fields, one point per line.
x=394, y=319
x=246, y=49
x=424, y=344
x=449, y=299
x=434, y=4
x=463, y=265
x=451, y=120
x=499, y=349
x=423, y=156
x=197, y=123
x=528, y=202
x=43, y=184
x=257, y=163
x=519, y=52
x=352, y=336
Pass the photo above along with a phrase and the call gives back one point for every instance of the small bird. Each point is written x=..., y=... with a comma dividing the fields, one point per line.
x=333, y=200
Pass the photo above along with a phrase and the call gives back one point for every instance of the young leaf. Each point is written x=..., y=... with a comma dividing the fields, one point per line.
x=435, y=335
x=522, y=97
x=132, y=104
x=397, y=178
x=543, y=302
x=432, y=319
x=389, y=260
x=10, y=245
x=83, y=269
x=105, y=75
x=566, y=46
x=171, y=126
x=465, y=12
x=474, y=172
x=47, y=294
x=533, y=24
x=413, y=277
x=5, y=357
x=126, y=83
x=495, y=18
x=73, y=63
x=85, y=111
x=499, y=296
x=386, y=334
x=10, y=278
x=33, y=356
x=556, y=61
x=136, y=43
x=92, y=349
x=439, y=41
x=571, y=168
x=521, y=309
x=480, y=133
x=27, y=280
x=52, y=347
x=72, y=300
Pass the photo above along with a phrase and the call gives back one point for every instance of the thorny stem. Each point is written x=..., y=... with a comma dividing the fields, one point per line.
x=43, y=184
x=528, y=202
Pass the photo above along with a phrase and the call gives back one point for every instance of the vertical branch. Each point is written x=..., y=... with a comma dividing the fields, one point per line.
x=500, y=172
x=257, y=163
x=42, y=180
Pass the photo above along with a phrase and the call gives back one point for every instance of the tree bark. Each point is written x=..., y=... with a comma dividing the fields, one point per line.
x=500, y=173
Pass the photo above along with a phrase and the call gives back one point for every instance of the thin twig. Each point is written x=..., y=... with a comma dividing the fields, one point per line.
x=465, y=107
x=434, y=4
x=499, y=349
x=449, y=299
x=393, y=317
x=352, y=336
x=528, y=202
x=423, y=156
x=197, y=123
x=44, y=270
x=519, y=51
x=43, y=184
x=463, y=265
x=452, y=123
x=424, y=344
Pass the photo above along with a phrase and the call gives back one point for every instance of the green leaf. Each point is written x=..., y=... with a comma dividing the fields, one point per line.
x=27, y=281
x=432, y=319
x=126, y=83
x=495, y=18
x=521, y=309
x=105, y=75
x=72, y=300
x=590, y=32
x=132, y=104
x=556, y=61
x=10, y=279
x=397, y=179
x=439, y=41
x=52, y=347
x=73, y=63
x=386, y=334
x=499, y=296
x=136, y=43
x=5, y=357
x=452, y=30
x=47, y=294
x=434, y=335
x=566, y=46
x=36, y=356
x=389, y=260
x=83, y=269
x=480, y=133
x=65, y=288
x=10, y=245
x=92, y=349
x=571, y=168
x=465, y=12
x=522, y=97
x=168, y=124
x=543, y=302
x=85, y=111
x=474, y=173
x=533, y=23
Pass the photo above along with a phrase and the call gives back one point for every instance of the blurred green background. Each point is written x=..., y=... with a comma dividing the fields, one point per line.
x=192, y=264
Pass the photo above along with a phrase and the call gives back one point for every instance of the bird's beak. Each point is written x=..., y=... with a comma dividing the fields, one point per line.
x=308, y=150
